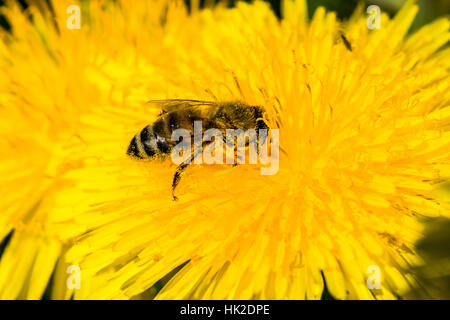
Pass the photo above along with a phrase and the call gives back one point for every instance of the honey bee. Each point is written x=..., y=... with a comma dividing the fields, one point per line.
x=155, y=139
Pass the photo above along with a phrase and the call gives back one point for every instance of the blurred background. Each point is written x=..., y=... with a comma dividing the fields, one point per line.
x=429, y=9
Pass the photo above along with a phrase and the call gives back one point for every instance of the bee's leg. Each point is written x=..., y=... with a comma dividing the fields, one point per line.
x=177, y=177
x=180, y=169
x=230, y=144
x=237, y=157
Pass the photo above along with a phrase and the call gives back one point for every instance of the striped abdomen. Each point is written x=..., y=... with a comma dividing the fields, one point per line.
x=146, y=144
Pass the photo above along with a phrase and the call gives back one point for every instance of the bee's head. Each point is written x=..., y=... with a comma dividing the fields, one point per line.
x=258, y=114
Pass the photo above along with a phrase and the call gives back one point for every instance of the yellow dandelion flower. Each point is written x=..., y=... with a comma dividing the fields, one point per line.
x=364, y=122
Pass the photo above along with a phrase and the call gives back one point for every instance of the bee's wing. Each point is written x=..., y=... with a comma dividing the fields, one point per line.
x=170, y=105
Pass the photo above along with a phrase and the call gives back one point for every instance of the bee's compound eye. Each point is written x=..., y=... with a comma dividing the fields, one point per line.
x=261, y=124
